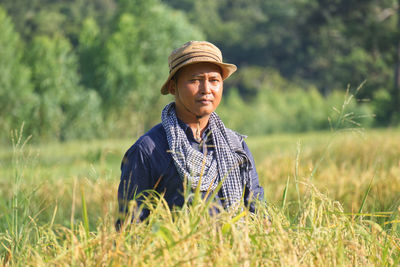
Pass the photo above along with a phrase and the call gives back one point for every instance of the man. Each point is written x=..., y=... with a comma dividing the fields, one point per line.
x=191, y=143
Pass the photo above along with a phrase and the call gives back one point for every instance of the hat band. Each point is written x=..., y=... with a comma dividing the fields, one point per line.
x=196, y=55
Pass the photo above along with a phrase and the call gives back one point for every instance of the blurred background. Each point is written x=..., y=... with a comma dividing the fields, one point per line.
x=84, y=69
x=83, y=77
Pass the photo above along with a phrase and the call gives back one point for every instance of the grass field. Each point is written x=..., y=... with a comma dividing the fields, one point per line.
x=334, y=199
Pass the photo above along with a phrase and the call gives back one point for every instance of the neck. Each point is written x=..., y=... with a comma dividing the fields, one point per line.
x=196, y=123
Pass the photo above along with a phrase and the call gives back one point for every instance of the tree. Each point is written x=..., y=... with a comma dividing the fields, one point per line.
x=49, y=17
x=90, y=51
x=16, y=95
x=136, y=55
x=326, y=43
x=65, y=110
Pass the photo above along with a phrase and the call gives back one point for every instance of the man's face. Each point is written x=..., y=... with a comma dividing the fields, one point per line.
x=198, y=89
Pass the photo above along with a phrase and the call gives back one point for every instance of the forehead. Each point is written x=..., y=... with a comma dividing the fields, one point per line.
x=200, y=69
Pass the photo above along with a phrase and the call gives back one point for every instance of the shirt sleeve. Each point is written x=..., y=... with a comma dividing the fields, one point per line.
x=256, y=191
x=135, y=180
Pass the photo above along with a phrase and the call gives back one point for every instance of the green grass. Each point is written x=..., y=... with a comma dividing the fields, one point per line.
x=334, y=200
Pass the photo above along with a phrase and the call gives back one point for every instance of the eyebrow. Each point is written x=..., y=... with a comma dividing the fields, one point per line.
x=202, y=75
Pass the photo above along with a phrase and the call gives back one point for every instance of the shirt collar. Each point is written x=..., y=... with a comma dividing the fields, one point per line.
x=188, y=130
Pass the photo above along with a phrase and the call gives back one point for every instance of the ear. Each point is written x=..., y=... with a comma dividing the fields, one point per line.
x=172, y=87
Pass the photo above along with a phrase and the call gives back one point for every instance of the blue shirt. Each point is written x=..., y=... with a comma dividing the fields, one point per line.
x=148, y=165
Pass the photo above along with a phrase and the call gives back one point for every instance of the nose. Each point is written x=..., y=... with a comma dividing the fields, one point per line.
x=206, y=87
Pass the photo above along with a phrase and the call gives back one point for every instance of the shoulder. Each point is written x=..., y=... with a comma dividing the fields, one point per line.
x=238, y=135
x=154, y=137
x=154, y=140
x=235, y=137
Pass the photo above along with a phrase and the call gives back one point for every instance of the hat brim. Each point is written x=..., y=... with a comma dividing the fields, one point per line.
x=226, y=68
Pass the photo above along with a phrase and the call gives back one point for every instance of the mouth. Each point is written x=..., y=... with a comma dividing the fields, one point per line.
x=204, y=101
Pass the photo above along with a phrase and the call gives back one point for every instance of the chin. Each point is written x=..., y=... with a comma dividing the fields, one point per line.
x=205, y=112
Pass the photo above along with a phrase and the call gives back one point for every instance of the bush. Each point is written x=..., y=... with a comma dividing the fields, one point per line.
x=284, y=107
x=16, y=93
x=65, y=109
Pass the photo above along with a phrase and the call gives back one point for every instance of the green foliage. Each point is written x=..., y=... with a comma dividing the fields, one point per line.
x=85, y=68
x=281, y=106
x=136, y=60
x=38, y=17
x=65, y=108
x=326, y=43
x=95, y=80
x=382, y=100
x=16, y=95
x=90, y=51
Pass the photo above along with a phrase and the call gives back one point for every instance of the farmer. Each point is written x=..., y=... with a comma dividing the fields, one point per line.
x=191, y=143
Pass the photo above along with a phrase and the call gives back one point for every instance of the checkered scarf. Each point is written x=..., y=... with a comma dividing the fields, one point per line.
x=227, y=163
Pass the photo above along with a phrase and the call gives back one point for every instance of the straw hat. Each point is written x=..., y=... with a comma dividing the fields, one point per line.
x=195, y=52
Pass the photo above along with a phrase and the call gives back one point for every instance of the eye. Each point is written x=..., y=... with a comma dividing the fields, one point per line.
x=214, y=80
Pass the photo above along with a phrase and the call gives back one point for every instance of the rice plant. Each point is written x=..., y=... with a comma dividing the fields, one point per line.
x=332, y=201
